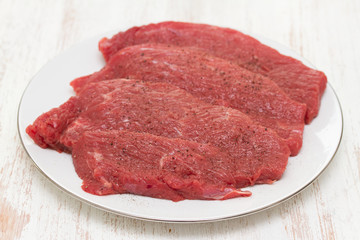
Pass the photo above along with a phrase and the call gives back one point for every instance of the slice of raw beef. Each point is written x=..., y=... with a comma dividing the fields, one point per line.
x=48, y=127
x=164, y=110
x=127, y=162
x=211, y=79
x=300, y=82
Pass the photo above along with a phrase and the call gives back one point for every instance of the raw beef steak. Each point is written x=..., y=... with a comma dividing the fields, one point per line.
x=48, y=127
x=144, y=164
x=300, y=82
x=212, y=79
x=161, y=109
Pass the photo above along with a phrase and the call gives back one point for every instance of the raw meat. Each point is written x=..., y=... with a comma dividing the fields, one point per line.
x=126, y=162
x=212, y=79
x=161, y=109
x=48, y=127
x=300, y=82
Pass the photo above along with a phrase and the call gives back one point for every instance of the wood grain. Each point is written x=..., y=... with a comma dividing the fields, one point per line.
x=12, y=222
x=325, y=32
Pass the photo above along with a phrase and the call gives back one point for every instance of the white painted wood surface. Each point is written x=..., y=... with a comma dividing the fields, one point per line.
x=32, y=32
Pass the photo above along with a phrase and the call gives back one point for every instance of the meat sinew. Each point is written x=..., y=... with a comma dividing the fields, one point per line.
x=211, y=79
x=161, y=109
x=300, y=82
x=126, y=162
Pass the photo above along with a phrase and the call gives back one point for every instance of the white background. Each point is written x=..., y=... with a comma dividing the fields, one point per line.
x=327, y=33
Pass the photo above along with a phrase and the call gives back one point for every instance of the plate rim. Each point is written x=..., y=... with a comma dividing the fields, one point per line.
x=216, y=219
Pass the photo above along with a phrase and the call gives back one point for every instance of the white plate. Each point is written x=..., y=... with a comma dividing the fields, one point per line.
x=50, y=88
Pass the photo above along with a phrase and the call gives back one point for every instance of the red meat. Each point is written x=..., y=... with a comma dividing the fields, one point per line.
x=161, y=109
x=212, y=79
x=300, y=82
x=143, y=164
x=48, y=128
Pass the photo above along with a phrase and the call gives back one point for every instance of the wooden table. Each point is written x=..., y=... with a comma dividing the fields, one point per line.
x=32, y=32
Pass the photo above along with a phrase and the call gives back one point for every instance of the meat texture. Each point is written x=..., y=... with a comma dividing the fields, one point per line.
x=301, y=83
x=161, y=109
x=211, y=79
x=48, y=127
x=127, y=162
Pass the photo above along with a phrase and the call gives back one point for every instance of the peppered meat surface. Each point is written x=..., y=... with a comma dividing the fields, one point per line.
x=211, y=79
x=301, y=83
x=111, y=162
x=165, y=110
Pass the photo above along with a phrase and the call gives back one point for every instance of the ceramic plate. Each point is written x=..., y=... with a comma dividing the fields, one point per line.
x=50, y=88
